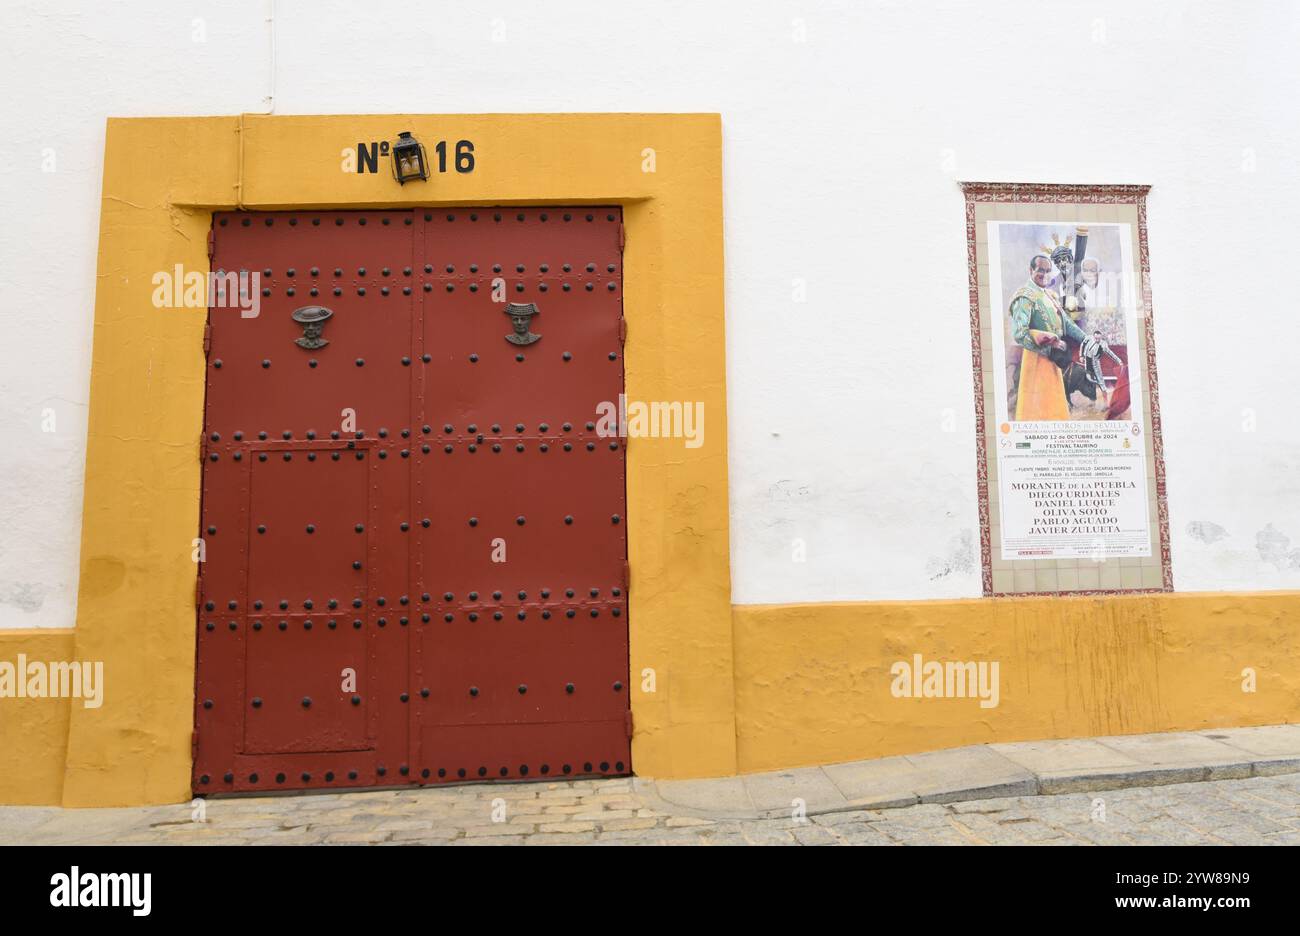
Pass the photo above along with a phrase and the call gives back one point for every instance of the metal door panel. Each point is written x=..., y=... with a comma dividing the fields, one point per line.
x=359, y=465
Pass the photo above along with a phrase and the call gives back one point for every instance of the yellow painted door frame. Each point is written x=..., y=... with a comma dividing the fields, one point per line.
x=163, y=178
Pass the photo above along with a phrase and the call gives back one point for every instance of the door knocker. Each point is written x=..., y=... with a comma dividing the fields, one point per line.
x=521, y=315
x=312, y=319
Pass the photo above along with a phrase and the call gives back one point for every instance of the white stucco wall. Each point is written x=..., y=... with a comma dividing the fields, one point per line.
x=847, y=126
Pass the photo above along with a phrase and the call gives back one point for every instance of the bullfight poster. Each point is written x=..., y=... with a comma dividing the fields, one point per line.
x=1071, y=450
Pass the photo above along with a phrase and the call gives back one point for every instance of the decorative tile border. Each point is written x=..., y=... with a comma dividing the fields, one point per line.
x=1046, y=193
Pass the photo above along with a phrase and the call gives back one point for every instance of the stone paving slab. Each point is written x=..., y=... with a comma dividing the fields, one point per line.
x=775, y=794
x=969, y=773
x=1177, y=749
x=1272, y=741
x=1073, y=755
x=885, y=783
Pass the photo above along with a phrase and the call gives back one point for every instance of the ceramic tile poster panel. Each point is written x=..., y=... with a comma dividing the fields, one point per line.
x=1071, y=470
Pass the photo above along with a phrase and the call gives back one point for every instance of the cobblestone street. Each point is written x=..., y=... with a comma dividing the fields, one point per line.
x=1257, y=810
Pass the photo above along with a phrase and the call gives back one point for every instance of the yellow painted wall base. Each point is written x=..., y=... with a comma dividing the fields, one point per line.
x=34, y=732
x=813, y=681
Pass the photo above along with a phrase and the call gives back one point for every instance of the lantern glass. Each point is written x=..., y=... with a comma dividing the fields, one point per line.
x=408, y=159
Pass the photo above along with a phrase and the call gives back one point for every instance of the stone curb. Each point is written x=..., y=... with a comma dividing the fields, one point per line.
x=982, y=772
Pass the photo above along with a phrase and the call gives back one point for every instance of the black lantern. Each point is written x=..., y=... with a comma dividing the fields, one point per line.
x=409, y=162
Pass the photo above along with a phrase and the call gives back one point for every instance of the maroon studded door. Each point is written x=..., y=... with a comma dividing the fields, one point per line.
x=413, y=512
